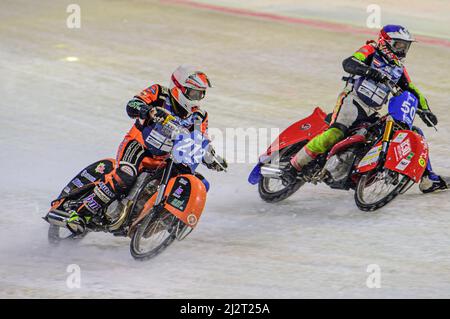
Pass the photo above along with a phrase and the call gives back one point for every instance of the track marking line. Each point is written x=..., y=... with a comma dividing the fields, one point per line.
x=318, y=24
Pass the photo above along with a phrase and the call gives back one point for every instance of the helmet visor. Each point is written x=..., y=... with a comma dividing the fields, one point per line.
x=400, y=47
x=195, y=95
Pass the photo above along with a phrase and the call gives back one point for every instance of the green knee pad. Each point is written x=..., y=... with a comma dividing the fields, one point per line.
x=325, y=141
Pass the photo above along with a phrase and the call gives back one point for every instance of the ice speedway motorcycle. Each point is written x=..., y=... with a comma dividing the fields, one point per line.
x=165, y=203
x=379, y=159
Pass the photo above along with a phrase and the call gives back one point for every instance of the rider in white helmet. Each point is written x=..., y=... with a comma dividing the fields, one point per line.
x=187, y=88
x=146, y=139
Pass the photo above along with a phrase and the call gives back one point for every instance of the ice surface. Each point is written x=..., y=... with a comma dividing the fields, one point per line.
x=58, y=116
x=425, y=18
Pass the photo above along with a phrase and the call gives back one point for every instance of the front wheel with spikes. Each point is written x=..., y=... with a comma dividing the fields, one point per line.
x=377, y=188
x=154, y=234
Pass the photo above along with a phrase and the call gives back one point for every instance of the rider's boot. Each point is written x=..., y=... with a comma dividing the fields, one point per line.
x=431, y=182
x=92, y=205
x=302, y=158
x=289, y=175
x=318, y=145
x=77, y=223
x=117, y=183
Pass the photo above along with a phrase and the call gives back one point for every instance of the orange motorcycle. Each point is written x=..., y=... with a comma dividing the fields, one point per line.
x=164, y=205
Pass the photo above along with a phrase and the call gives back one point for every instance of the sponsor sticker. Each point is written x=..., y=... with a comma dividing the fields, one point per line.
x=381, y=93
x=369, y=85
x=88, y=176
x=177, y=193
x=422, y=162
x=159, y=141
x=91, y=203
x=399, y=138
x=305, y=127
x=77, y=183
x=404, y=163
x=105, y=189
x=100, y=168
x=157, y=136
x=127, y=170
x=192, y=219
x=177, y=203
x=363, y=90
x=101, y=195
x=150, y=140
x=406, y=147
x=410, y=156
x=371, y=157
x=377, y=99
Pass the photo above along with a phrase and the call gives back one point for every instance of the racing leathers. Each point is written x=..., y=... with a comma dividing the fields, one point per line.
x=144, y=142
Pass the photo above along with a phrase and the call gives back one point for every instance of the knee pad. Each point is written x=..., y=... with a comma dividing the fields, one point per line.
x=127, y=176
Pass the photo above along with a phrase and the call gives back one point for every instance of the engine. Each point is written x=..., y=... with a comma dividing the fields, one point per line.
x=339, y=165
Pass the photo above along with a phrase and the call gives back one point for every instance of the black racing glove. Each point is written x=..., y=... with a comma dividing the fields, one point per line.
x=158, y=114
x=218, y=165
x=375, y=75
x=214, y=161
x=144, y=111
x=428, y=118
x=138, y=108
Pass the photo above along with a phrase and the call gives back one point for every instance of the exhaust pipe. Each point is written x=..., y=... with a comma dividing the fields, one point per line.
x=271, y=171
x=57, y=217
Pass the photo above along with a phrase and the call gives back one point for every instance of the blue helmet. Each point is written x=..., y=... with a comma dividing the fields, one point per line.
x=394, y=41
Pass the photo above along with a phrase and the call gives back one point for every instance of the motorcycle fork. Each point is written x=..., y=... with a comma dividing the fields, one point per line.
x=385, y=144
x=386, y=139
x=165, y=179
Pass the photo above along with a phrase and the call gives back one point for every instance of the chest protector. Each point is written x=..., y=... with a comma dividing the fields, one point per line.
x=375, y=94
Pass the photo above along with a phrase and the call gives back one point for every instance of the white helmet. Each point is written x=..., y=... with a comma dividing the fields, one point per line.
x=187, y=87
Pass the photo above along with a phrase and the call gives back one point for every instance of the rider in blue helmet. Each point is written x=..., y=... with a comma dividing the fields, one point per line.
x=372, y=62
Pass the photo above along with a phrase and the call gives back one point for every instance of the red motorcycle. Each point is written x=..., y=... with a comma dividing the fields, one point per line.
x=380, y=158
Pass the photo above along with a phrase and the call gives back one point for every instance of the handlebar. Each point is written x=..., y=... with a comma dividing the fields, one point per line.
x=396, y=90
x=393, y=87
x=172, y=128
